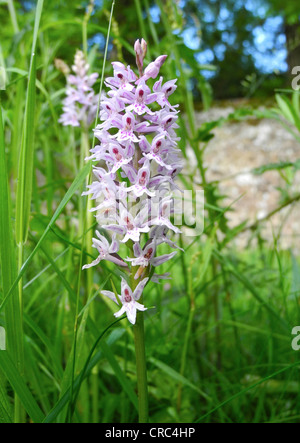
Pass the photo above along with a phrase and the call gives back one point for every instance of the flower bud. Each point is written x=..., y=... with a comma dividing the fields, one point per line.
x=153, y=68
x=62, y=66
x=144, y=47
x=140, y=50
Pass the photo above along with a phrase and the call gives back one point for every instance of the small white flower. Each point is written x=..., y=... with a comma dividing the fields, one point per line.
x=146, y=256
x=105, y=251
x=128, y=299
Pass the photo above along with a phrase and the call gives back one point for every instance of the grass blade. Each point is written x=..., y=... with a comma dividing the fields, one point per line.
x=247, y=283
x=13, y=376
x=26, y=158
x=5, y=413
x=89, y=364
x=243, y=391
x=73, y=188
x=176, y=376
x=8, y=263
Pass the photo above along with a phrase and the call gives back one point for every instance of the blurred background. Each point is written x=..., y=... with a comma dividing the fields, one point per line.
x=241, y=48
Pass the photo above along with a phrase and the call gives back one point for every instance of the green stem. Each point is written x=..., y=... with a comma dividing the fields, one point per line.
x=188, y=332
x=19, y=413
x=87, y=215
x=141, y=369
x=141, y=19
x=151, y=24
x=184, y=353
x=89, y=218
x=140, y=354
x=85, y=21
x=13, y=16
x=89, y=275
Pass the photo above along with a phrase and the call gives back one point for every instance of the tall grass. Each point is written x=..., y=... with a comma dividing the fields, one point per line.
x=218, y=341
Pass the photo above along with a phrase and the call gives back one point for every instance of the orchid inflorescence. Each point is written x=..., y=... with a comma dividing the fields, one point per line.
x=138, y=147
x=81, y=102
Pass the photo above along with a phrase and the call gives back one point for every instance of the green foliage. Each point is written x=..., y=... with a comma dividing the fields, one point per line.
x=289, y=9
x=218, y=337
x=227, y=35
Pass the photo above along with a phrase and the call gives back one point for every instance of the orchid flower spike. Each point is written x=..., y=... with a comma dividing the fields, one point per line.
x=139, y=163
x=80, y=104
